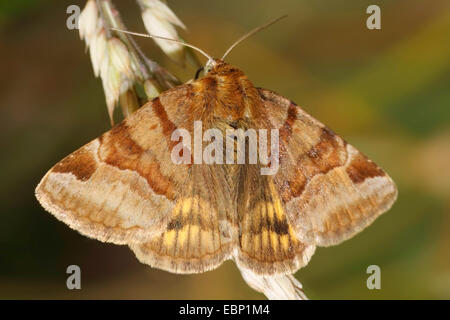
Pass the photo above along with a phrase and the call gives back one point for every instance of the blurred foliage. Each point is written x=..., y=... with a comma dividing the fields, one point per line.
x=386, y=91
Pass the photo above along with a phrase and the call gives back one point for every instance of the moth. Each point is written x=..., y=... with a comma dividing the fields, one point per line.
x=124, y=188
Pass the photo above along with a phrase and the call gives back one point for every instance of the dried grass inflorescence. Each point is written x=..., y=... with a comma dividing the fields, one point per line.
x=117, y=59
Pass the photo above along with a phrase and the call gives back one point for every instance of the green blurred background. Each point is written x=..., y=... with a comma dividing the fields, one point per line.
x=386, y=91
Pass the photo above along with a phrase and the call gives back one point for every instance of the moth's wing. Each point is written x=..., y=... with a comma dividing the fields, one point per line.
x=329, y=190
x=122, y=186
x=268, y=244
x=201, y=233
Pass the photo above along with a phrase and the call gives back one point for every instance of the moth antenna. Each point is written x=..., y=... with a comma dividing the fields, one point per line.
x=252, y=32
x=210, y=59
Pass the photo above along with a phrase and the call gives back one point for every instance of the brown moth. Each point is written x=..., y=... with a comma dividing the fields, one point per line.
x=124, y=188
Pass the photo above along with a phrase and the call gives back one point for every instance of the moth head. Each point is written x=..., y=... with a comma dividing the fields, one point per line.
x=211, y=64
x=220, y=68
x=214, y=65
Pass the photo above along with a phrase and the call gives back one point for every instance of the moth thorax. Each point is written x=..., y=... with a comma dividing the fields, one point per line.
x=234, y=97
